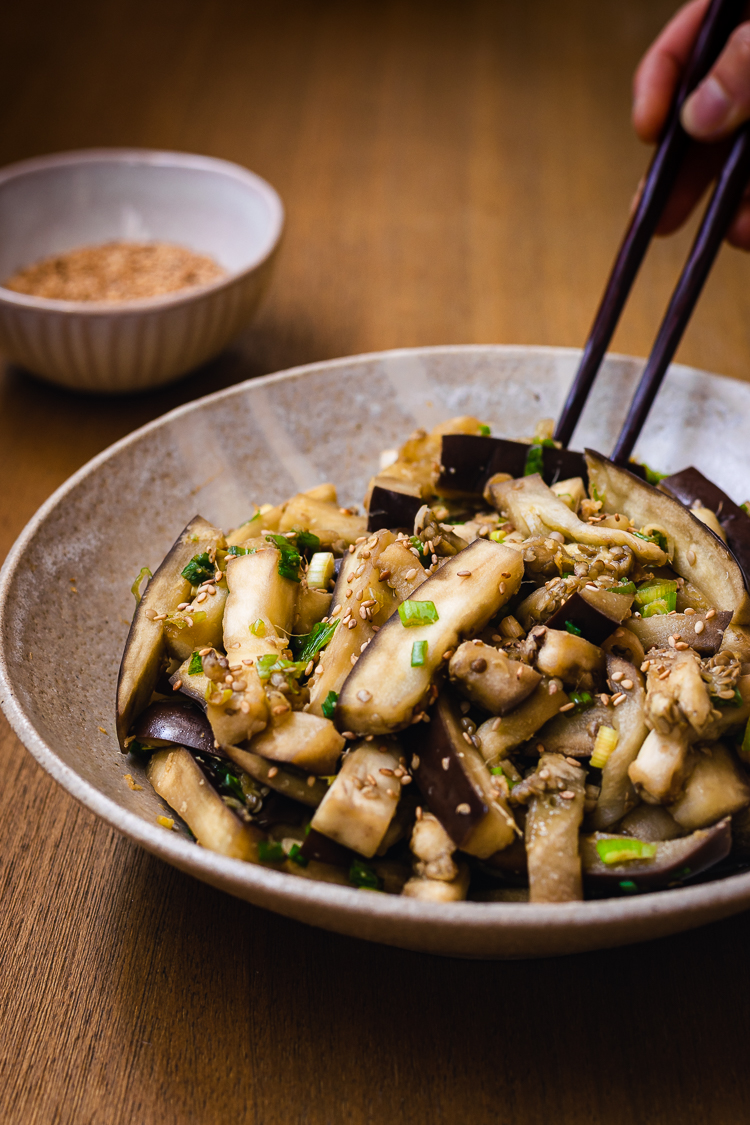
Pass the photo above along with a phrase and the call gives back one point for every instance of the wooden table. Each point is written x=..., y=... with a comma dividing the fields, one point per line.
x=453, y=173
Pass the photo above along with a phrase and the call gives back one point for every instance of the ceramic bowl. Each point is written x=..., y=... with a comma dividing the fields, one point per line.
x=56, y=203
x=262, y=441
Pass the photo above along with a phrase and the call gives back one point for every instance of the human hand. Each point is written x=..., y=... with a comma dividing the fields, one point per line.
x=718, y=105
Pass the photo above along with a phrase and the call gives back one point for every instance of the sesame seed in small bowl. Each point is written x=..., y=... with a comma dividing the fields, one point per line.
x=122, y=269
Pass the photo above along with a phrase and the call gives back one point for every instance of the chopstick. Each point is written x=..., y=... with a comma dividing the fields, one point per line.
x=721, y=18
x=716, y=221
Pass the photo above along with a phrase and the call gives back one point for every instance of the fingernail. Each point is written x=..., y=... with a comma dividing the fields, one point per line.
x=707, y=110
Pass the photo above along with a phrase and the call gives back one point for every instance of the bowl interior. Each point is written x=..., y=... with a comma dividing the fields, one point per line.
x=65, y=602
x=52, y=205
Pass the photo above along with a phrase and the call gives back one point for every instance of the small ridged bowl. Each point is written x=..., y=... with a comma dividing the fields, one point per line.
x=52, y=204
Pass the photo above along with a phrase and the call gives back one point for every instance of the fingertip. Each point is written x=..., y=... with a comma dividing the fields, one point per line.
x=739, y=232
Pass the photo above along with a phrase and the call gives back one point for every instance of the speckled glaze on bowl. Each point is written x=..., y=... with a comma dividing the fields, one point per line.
x=263, y=440
x=51, y=204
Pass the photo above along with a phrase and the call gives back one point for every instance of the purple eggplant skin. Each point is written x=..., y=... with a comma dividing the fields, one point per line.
x=278, y=809
x=393, y=509
x=444, y=789
x=176, y=723
x=690, y=487
x=594, y=625
x=674, y=861
x=468, y=461
x=320, y=847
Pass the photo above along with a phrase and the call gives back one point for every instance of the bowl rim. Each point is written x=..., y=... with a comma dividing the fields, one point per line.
x=277, y=889
x=163, y=158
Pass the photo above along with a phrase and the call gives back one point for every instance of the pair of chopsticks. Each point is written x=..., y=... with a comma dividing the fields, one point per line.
x=721, y=18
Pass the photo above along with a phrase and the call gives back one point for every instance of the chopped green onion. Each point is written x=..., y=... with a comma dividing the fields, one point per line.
x=746, y=507
x=657, y=537
x=296, y=856
x=418, y=653
x=497, y=536
x=199, y=569
x=311, y=644
x=535, y=457
x=417, y=543
x=622, y=849
x=269, y=663
x=241, y=550
x=735, y=702
x=270, y=853
x=321, y=570
x=484, y=430
x=329, y=704
x=604, y=745
x=628, y=885
x=306, y=540
x=417, y=613
x=653, y=476
x=595, y=495
x=195, y=667
x=258, y=628
x=582, y=700
x=141, y=751
x=498, y=771
x=571, y=628
x=657, y=596
x=135, y=589
x=624, y=587
x=290, y=560
x=362, y=875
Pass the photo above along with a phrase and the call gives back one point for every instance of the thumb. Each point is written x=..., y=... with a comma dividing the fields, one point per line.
x=722, y=100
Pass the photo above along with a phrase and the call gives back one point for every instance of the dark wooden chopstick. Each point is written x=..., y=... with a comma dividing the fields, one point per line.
x=722, y=17
x=716, y=221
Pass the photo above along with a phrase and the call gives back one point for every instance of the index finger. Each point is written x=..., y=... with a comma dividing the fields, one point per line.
x=660, y=70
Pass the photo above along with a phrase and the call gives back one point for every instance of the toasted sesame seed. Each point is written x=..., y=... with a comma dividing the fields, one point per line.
x=245, y=707
x=347, y=734
x=627, y=684
x=201, y=598
x=618, y=699
x=463, y=573
x=553, y=688
x=310, y=781
x=496, y=723
x=175, y=687
x=691, y=557
x=406, y=780
x=103, y=730
x=689, y=611
x=467, y=738
x=664, y=675
x=336, y=609
x=309, y=667
x=446, y=762
x=204, y=651
x=386, y=772
x=672, y=642
x=364, y=696
x=711, y=613
x=448, y=653
x=463, y=809
x=351, y=624
x=354, y=658
x=681, y=646
x=319, y=670
x=567, y=794
x=616, y=677
x=699, y=626
x=567, y=707
x=162, y=617
x=419, y=814
x=506, y=574
x=605, y=699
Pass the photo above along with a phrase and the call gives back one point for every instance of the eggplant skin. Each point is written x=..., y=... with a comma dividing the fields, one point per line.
x=699, y=556
x=383, y=691
x=177, y=723
x=146, y=647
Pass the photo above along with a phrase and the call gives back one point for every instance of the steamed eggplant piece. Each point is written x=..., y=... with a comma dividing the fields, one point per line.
x=572, y=659
x=457, y=785
x=617, y=794
x=692, y=489
x=307, y=741
x=361, y=601
x=304, y=511
x=699, y=556
x=575, y=733
x=385, y=689
x=651, y=823
x=360, y=804
x=659, y=771
x=440, y=890
x=258, y=618
x=535, y=510
x=674, y=861
x=198, y=626
x=312, y=606
x=716, y=787
x=498, y=737
x=654, y=632
x=551, y=831
x=145, y=649
x=433, y=850
x=179, y=780
x=487, y=677
x=173, y=722
x=393, y=504
x=467, y=461
x=596, y=613
x=196, y=685
x=289, y=782
x=401, y=571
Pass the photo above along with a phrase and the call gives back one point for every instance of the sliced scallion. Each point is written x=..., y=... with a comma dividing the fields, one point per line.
x=657, y=596
x=329, y=704
x=418, y=653
x=605, y=743
x=135, y=589
x=195, y=667
x=199, y=569
x=417, y=613
x=321, y=570
x=622, y=849
x=572, y=629
x=258, y=628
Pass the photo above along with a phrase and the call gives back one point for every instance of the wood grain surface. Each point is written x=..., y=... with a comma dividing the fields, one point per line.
x=453, y=172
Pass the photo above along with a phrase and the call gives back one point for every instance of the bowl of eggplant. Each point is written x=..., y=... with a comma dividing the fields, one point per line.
x=335, y=642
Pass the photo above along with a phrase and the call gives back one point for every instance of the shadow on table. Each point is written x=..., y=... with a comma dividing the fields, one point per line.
x=244, y=1015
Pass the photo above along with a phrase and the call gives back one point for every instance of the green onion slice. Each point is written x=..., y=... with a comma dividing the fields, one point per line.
x=135, y=589
x=418, y=653
x=417, y=613
x=622, y=849
x=195, y=668
x=329, y=704
x=571, y=628
x=199, y=569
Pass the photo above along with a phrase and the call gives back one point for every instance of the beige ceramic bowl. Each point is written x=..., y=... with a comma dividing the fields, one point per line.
x=262, y=440
x=56, y=203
